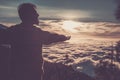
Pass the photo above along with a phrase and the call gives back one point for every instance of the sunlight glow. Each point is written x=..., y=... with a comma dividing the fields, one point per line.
x=70, y=25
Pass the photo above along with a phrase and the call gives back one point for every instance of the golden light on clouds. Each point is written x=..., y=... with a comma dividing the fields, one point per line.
x=70, y=25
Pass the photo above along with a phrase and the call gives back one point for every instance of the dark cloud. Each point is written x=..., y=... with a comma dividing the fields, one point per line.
x=97, y=5
x=56, y=21
x=117, y=12
x=51, y=18
x=117, y=1
x=9, y=19
x=100, y=10
x=77, y=4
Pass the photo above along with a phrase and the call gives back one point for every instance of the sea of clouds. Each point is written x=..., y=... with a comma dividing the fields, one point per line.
x=91, y=43
x=82, y=56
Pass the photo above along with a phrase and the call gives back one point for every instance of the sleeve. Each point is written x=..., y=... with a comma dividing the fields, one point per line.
x=53, y=37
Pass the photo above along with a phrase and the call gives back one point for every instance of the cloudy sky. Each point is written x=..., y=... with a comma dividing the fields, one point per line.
x=84, y=10
x=80, y=18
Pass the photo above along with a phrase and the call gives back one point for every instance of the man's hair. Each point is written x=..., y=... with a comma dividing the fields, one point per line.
x=24, y=10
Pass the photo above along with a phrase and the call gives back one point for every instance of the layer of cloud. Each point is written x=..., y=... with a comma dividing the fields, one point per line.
x=83, y=56
x=93, y=29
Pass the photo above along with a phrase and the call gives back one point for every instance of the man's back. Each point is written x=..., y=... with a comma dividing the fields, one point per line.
x=26, y=43
x=26, y=52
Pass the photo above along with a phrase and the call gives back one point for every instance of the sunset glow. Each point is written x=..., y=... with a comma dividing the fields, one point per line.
x=70, y=25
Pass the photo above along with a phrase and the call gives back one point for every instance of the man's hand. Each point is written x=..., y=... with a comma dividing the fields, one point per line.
x=68, y=37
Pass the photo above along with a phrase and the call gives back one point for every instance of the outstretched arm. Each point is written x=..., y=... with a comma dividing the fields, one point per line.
x=53, y=37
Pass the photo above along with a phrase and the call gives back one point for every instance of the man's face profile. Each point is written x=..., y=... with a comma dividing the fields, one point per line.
x=34, y=16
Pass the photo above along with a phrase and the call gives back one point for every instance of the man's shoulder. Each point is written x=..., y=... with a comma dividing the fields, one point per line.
x=14, y=27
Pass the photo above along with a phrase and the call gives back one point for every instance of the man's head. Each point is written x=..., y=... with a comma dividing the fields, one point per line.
x=28, y=14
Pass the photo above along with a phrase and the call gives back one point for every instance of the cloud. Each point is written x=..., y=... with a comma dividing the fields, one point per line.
x=43, y=24
x=76, y=4
x=8, y=14
x=68, y=4
x=117, y=12
x=86, y=9
x=108, y=35
x=99, y=29
x=91, y=29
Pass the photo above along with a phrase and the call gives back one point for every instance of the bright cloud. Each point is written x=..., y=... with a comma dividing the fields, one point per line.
x=93, y=29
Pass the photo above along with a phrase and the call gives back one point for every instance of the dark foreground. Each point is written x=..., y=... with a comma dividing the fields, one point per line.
x=52, y=71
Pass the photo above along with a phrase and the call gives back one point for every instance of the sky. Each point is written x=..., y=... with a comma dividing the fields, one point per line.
x=83, y=10
x=80, y=18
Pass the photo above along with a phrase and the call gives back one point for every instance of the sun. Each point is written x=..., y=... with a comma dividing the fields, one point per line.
x=70, y=25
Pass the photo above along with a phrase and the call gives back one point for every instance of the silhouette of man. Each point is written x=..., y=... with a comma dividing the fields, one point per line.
x=26, y=42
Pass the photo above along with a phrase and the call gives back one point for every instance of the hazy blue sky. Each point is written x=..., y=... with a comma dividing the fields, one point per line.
x=84, y=10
